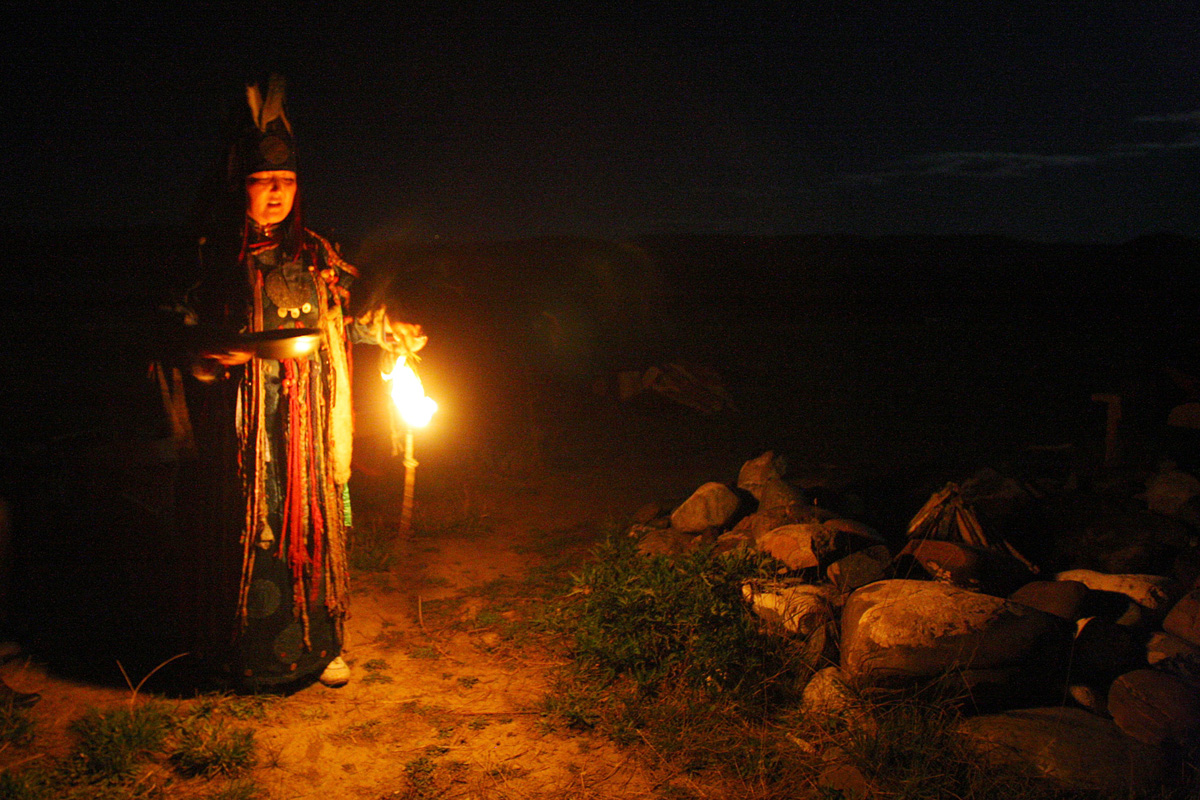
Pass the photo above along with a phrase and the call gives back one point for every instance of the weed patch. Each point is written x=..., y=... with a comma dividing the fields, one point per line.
x=654, y=618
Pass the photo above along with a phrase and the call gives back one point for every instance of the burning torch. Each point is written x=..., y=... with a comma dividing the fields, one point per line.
x=415, y=409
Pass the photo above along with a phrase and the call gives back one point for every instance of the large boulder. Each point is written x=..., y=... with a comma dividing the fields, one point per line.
x=897, y=630
x=1155, y=707
x=778, y=493
x=713, y=505
x=1070, y=746
x=1151, y=592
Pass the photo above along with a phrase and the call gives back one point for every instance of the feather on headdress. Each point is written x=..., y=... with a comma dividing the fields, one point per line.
x=267, y=111
x=267, y=144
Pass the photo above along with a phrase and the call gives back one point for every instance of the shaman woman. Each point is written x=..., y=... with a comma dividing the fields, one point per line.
x=274, y=433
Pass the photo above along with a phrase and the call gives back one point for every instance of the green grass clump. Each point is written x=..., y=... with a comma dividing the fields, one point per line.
x=210, y=747
x=111, y=745
x=654, y=618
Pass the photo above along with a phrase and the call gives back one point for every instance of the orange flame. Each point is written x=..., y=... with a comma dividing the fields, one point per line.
x=409, y=395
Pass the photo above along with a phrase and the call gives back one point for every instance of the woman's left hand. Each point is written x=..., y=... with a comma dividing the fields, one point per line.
x=400, y=338
x=407, y=337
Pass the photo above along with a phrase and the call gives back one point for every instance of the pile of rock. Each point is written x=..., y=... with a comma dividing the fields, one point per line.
x=1091, y=678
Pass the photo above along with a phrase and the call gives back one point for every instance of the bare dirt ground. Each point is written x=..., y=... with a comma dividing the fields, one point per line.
x=450, y=668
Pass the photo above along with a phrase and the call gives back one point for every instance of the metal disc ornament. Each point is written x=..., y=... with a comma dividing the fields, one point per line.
x=289, y=286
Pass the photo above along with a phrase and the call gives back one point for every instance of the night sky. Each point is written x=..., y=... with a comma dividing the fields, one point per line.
x=453, y=124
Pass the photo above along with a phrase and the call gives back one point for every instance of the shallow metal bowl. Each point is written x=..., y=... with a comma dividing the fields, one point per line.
x=278, y=344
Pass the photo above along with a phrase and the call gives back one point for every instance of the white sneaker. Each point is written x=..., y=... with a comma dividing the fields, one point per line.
x=336, y=675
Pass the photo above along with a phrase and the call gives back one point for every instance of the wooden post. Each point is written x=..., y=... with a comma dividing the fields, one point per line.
x=410, y=480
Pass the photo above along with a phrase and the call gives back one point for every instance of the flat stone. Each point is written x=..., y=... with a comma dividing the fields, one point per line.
x=1073, y=747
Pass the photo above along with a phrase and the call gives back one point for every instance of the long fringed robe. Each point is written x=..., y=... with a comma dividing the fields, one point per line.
x=292, y=450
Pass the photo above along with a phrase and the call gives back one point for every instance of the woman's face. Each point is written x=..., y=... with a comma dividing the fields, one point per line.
x=270, y=195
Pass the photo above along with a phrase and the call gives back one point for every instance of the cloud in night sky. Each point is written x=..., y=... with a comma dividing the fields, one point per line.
x=992, y=164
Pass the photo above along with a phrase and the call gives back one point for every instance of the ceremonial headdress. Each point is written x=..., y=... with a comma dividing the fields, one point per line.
x=268, y=143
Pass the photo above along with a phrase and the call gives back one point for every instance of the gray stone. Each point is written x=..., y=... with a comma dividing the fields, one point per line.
x=711, y=506
x=756, y=472
x=859, y=569
x=1151, y=592
x=1074, y=748
x=905, y=629
x=1155, y=707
